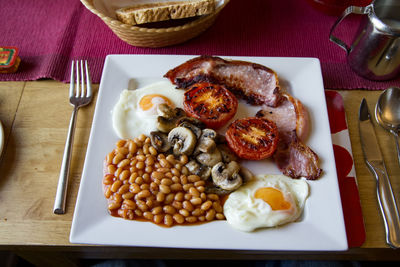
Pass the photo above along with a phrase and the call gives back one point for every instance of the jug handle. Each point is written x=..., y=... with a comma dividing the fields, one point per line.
x=349, y=10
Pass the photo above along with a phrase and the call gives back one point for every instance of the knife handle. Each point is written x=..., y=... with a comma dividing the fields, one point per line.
x=387, y=204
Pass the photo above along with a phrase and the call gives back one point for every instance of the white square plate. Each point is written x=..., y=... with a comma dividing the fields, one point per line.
x=321, y=226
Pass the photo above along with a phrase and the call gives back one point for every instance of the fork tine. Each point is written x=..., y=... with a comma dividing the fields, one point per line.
x=82, y=80
x=88, y=81
x=72, y=81
x=77, y=79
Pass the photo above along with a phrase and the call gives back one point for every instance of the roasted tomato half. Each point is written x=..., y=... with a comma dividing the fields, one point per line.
x=252, y=138
x=213, y=104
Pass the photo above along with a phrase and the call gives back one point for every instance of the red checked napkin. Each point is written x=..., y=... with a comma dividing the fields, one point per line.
x=353, y=218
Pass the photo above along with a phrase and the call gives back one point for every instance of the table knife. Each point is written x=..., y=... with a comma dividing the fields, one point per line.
x=374, y=161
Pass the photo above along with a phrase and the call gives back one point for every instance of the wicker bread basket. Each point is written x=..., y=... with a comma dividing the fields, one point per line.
x=156, y=37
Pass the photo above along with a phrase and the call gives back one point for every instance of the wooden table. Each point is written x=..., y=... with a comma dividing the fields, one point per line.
x=35, y=116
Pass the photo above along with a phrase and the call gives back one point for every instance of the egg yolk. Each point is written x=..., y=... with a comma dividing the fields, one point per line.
x=273, y=197
x=148, y=101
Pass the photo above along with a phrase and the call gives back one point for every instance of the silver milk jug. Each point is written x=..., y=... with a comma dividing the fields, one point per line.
x=375, y=51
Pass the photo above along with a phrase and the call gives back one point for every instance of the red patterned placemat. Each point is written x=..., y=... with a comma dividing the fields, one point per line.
x=345, y=170
x=49, y=34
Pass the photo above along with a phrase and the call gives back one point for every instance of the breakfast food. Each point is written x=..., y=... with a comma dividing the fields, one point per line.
x=255, y=83
x=267, y=201
x=146, y=11
x=259, y=85
x=136, y=110
x=253, y=138
x=292, y=156
x=210, y=103
x=142, y=184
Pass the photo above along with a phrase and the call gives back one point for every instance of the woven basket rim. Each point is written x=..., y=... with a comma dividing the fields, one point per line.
x=89, y=5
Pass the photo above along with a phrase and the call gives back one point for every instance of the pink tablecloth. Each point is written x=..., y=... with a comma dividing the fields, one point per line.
x=50, y=34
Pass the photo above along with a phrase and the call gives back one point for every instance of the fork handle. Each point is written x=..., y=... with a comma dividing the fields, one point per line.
x=59, y=202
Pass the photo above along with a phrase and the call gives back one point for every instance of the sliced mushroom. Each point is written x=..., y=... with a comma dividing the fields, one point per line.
x=246, y=174
x=167, y=111
x=226, y=176
x=168, y=122
x=212, y=189
x=183, y=141
x=209, y=159
x=206, y=143
x=201, y=170
x=227, y=154
x=160, y=141
x=196, y=130
x=191, y=120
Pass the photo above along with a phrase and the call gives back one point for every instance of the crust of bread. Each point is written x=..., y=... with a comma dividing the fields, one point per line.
x=161, y=11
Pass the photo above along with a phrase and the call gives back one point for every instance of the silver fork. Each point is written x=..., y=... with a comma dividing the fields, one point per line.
x=79, y=96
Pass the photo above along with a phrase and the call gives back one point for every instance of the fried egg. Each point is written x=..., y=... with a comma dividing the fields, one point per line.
x=135, y=112
x=266, y=201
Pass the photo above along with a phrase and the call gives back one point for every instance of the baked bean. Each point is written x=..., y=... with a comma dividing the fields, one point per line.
x=134, y=188
x=165, y=189
x=171, y=159
x=140, y=165
x=114, y=205
x=123, y=150
x=123, y=163
x=111, y=169
x=176, y=179
x=186, y=187
x=121, y=143
x=108, y=192
x=220, y=216
x=178, y=166
x=129, y=204
x=166, y=181
x=185, y=170
x=163, y=170
x=158, y=218
x=196, y=201
x=202, y=218
x=194, y=192
x=160, y=197
x=118, y=172
x=188, y=206
x=150, y=203
x=176, y=187
x=157, y=210
x=184, y=212
x=146, y=177
x=168, y=221
x=145, y=186
x=169, y=174
x=138, y=212
x=206, y=205
x=165, y=164
x=210, y=215
x=110, y=157
x=169, y=209
x=153, y=187
x=148, y=215
x=142, y=137
x=149, y=161
x=139, y=180
x=203, y=196
x=132, y=147
x=108, y=179
x=199, y=183
x=177, y=204
x=201, y=189
x=152, y=150
x=184, y=179
x=148, y=169
x=123, y=189
x=146, y=149
x=217, y=206
x=128, y=195
x=184, y=159
x=197, y=212
x=188, y=196
x=141, y=157
x=118, y=157
x=124, y=175
x=157, y=181
x=178, y=218
x=157, y=165
x=179, y=196
x=191, y=219
x=147, y=140
x=193, y=178
x=175, y=172
x=142, y=205
x=157, y=175
x=143, y=194
x=115, y=186
x=117, y=198
x=169, y=198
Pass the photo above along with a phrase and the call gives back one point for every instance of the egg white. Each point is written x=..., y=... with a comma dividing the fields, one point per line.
x=246, y=213
x=129, y=121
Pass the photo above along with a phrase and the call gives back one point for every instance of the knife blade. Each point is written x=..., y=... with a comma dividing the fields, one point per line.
x=375, y=163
